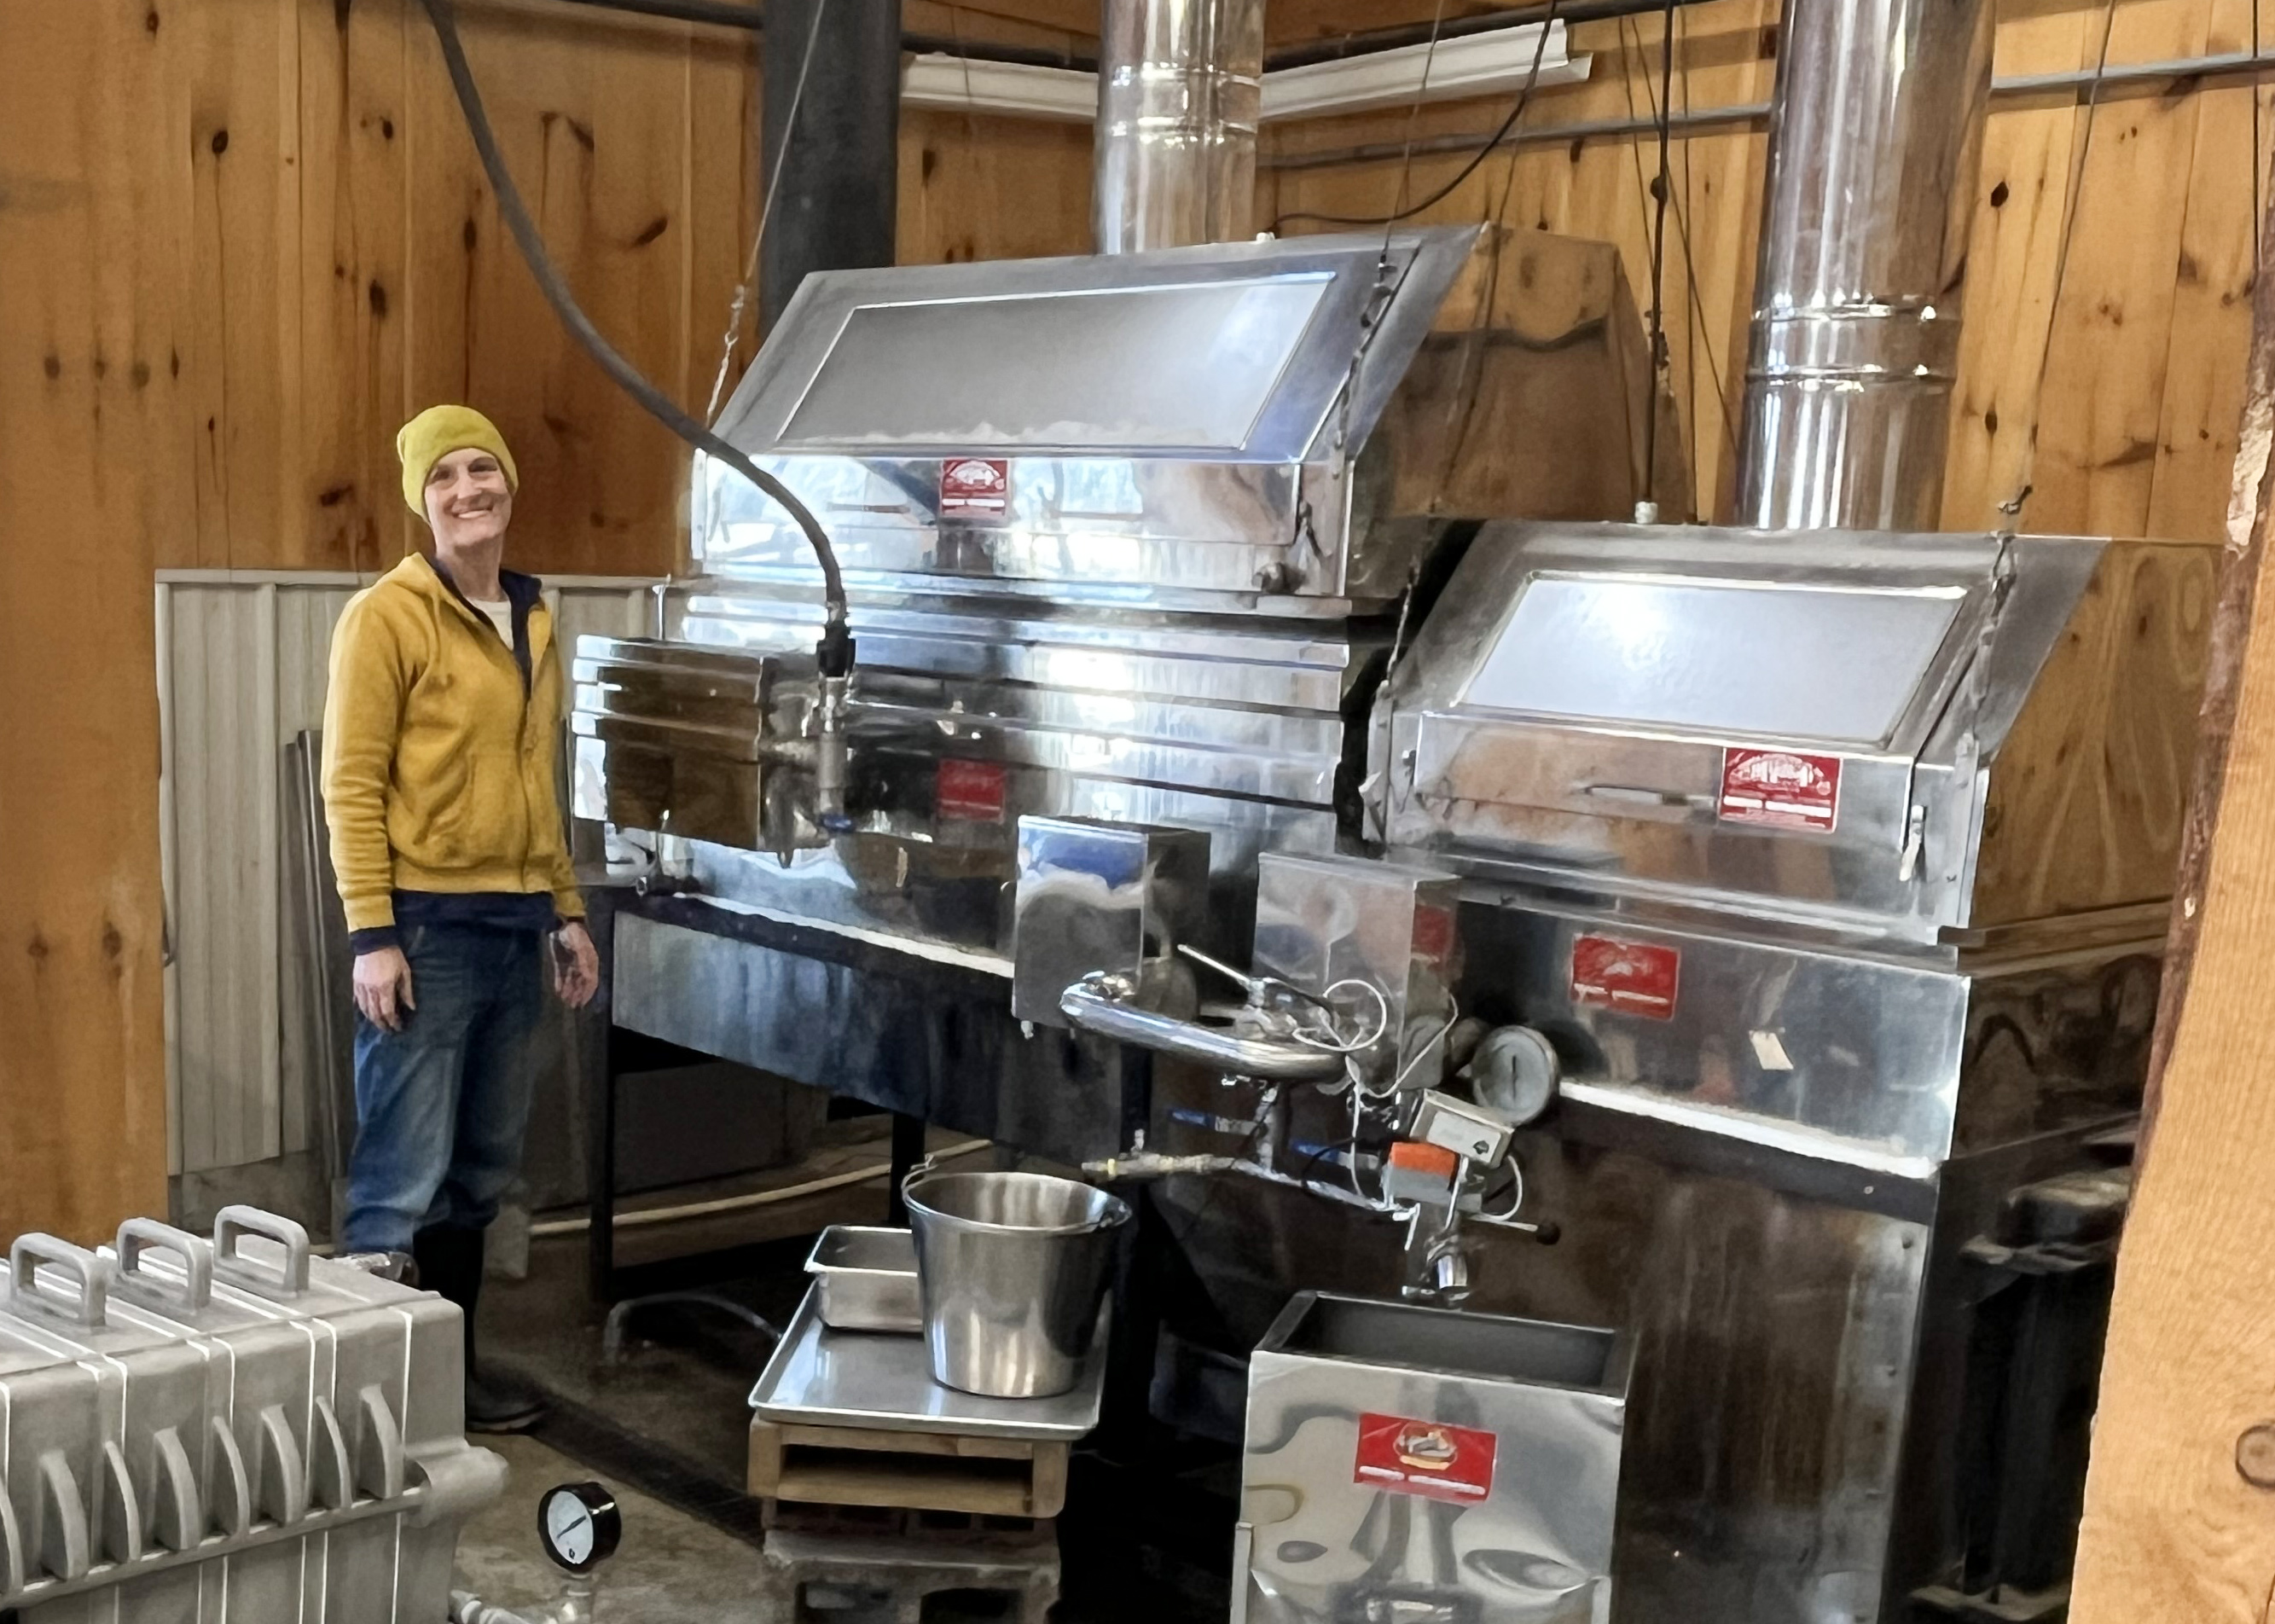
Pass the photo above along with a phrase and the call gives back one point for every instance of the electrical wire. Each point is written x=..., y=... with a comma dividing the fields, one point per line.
x=1659, y=362
x=1413, y=118
x=1388, y=276
x=834, y=651
x=1182, y=1234
x=1516, y=1172
x=1321, y=1152
x=1333, y=1041
x=1398, y=1083
x=1462, y=404
x=1516, y=112
x=780, y=161
x=2011, y=510
x=1700, y=336
x=1699, y=324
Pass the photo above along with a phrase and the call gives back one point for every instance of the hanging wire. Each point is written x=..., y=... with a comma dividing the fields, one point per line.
x=780, y=160
x=1698, y=322
x=1386, y=275
x=1328, y=1036
x=1516, y=112
x=2258, y=232
x=1647, y=509
x=2011, y=510
x=962, y=55
x=1397, y=1084
x=1461, y=411
x=1413, y=117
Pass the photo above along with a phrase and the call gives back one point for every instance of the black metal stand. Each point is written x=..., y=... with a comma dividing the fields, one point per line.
x=1126, y=1422
x=907, y=1150
x=601, y=1174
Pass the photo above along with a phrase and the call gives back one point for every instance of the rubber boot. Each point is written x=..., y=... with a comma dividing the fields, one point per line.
x=450, y=1262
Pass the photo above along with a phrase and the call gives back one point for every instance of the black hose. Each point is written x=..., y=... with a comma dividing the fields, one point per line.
x=834, y=651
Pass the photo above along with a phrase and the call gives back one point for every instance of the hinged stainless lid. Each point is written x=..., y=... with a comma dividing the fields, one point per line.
x=1228, y=352
x=1796, y=725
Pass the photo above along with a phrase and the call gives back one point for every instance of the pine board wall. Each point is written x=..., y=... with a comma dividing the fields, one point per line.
x=2144, y=381
x=241, y=239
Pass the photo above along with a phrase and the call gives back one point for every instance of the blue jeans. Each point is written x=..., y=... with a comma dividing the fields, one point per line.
x=440, y=1106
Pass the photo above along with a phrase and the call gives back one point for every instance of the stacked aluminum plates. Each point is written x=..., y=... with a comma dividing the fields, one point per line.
x=200, y=1432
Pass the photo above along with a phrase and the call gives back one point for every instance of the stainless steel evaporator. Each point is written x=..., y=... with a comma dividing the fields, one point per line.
x=1270, y=770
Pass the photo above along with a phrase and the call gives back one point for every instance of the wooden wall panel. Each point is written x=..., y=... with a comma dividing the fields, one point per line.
x=2144, y=380
x=1596, y=186
x=243, y=148
x=599, y=125
x=349, y=264
x=974, y=188
x=720, y=203
x=354, y=138
x=1069, y=25
x=93, y=466
x=1303, y=22
x=2211, y=297
x=2012, y=253
x=2101, y=413
x=597, y=141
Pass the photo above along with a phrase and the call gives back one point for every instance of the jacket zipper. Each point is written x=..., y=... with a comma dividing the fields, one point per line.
x=528, y=687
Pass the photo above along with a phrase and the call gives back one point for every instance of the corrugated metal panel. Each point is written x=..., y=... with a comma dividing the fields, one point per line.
x=242, y=670
x=304, y=637
x=223, y=907
x=606, y=609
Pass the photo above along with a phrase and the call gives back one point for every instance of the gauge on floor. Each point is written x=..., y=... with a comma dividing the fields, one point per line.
x=580, y=1525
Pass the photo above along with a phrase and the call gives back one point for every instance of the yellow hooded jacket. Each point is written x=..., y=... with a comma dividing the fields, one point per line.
x=441, y=757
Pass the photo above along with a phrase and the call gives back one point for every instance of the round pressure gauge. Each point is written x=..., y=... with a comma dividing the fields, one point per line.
x=578, y=1525
x=1514, y=1074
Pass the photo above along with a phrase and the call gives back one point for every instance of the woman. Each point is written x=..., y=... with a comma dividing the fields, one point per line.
x=442, y=739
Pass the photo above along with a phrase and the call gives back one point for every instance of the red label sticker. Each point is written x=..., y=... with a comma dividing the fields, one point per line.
x=971, y=789
x=1433, y=935
x=1634, y=977
x=1779, y=786
x=1428, y=1458
x=975, y=487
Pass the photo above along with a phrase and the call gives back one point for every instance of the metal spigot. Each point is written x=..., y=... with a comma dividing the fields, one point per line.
x=1440, y=1273
x=833, y=660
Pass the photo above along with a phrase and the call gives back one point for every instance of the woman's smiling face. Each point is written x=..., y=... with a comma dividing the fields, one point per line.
x=468, y=501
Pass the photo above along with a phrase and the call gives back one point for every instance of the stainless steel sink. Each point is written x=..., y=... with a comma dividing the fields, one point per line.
x=1409, y=1465
x=1484, y=1347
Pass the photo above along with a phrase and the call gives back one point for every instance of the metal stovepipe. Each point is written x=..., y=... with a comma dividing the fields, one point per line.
x=1178, y=90
x=1876, y=139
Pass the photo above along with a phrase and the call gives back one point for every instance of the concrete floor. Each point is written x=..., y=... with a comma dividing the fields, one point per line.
x=672, y=1569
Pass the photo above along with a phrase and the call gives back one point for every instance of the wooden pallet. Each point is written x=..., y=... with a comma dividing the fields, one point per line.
x=913, y=1471
x=841, y=1579
x=972, y=1527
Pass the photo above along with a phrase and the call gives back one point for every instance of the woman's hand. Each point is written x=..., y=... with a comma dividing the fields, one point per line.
x=383, y=987
x=576, y=965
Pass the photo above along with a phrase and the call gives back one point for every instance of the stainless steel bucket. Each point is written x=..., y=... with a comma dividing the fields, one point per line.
x=1013, y=1267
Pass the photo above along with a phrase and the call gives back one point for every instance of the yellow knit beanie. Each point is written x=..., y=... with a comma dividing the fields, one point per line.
x=433, y=435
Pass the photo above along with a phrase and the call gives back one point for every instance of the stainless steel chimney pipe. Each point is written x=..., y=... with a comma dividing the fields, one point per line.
x=1876, y=141
x=1178, y=88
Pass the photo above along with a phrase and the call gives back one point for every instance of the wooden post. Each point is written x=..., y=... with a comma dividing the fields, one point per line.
x=2180, y=1509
